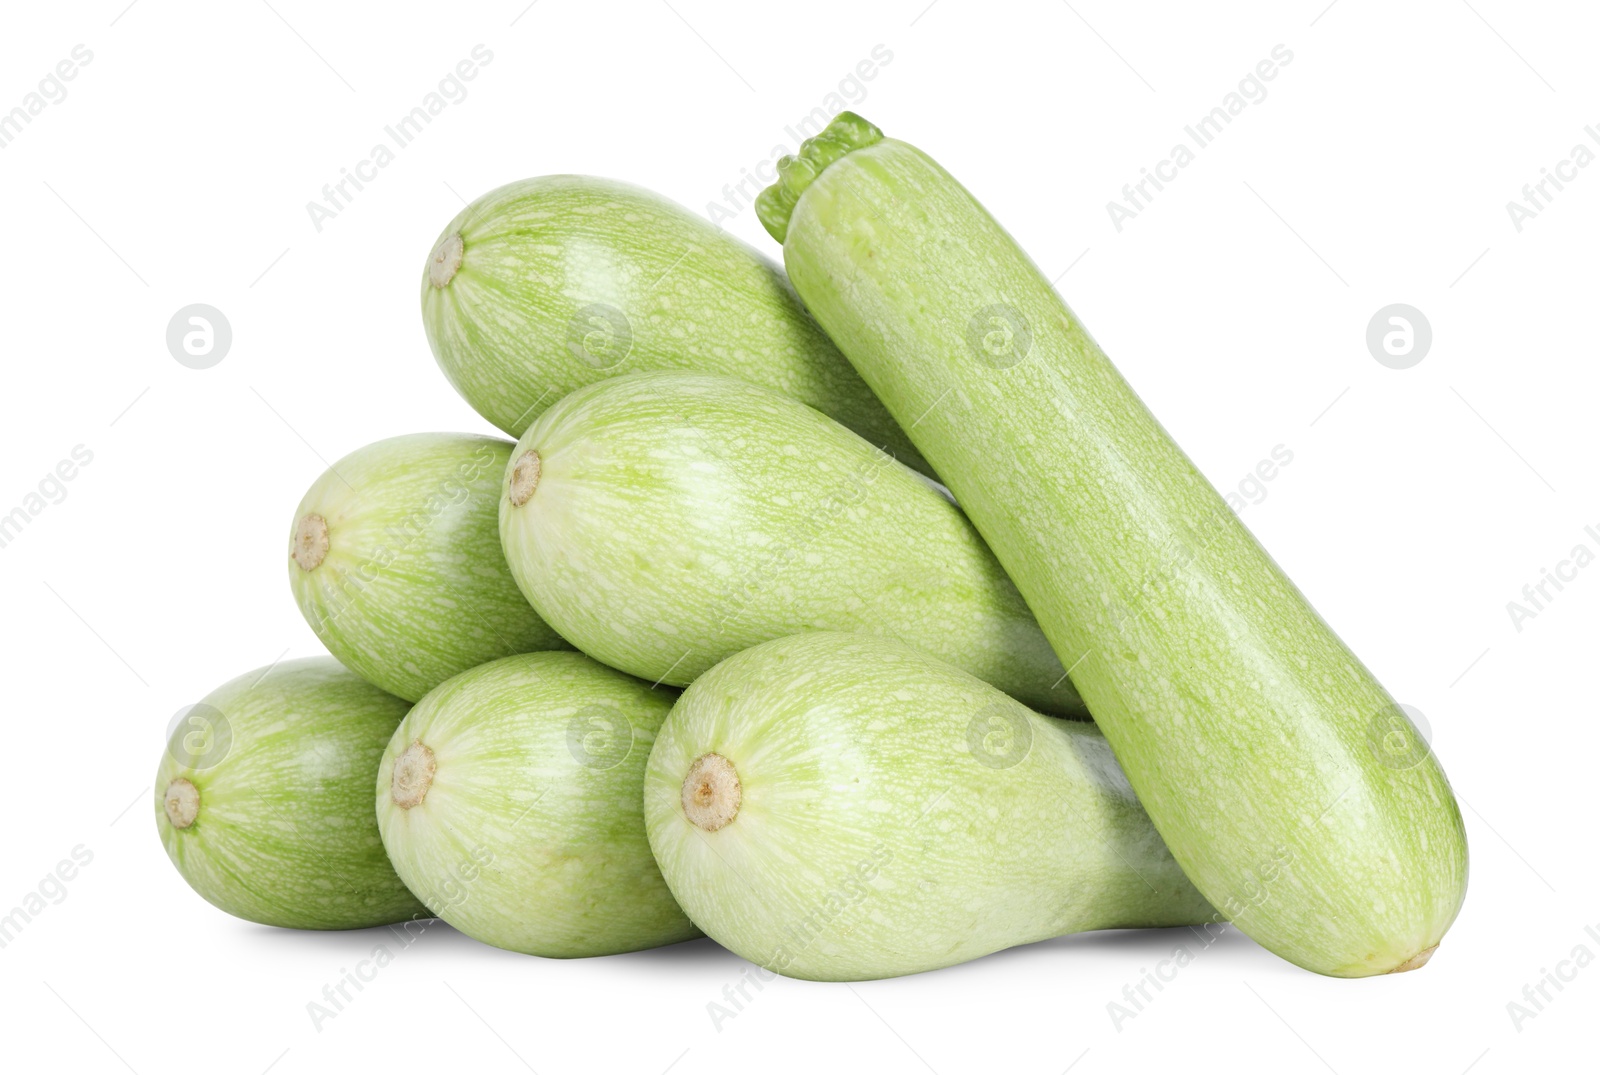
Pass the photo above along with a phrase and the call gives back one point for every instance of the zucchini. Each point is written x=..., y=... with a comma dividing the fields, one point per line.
x=508, y=800
x=1253, y=735
x=549, y=284
x=395, y=562
x=663, y=521
x=841, y=807
x=263, y=799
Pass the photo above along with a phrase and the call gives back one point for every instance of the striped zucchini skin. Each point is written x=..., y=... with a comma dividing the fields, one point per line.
x=403, y=578
x=282, y=760
x=1285, y=779
x=553, y=283
x=528, y=834
x=679, y=518
x=895, y=815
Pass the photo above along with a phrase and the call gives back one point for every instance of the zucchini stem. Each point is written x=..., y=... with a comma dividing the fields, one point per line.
x=446, y=260
x=413, y=776
x=310, y=542
x=181, y=803
x=1415, y=961
x=525, y=477
x=845, y=133
x=711, y=792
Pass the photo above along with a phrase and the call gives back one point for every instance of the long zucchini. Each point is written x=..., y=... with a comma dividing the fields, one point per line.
x=1285, y=779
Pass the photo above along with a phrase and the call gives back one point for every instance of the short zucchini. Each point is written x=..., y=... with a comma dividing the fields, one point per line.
x=663, y=521
x=264, y=798
x=549, y=284
x=509, y=802
x=840, y=807
x=395, y=561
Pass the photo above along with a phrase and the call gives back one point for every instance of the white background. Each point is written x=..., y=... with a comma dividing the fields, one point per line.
x=1418, y=503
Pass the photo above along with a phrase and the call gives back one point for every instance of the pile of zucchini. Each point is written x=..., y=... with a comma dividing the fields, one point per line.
x=861, y=618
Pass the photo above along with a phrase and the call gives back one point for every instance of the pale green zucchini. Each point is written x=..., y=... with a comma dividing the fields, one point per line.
x=1267, y=755
x=509, y=801
x=663, y=521
x=395, y=561
x=264, y=798
x=549, y=284
x=839, y=807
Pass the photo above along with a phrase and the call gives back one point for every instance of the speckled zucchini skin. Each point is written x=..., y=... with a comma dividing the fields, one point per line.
x=282, y=759
x=530, y=836
x=897, y=815
x=413, y=587
x=682, y=517
x=1285, y=779
x=565, y=280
